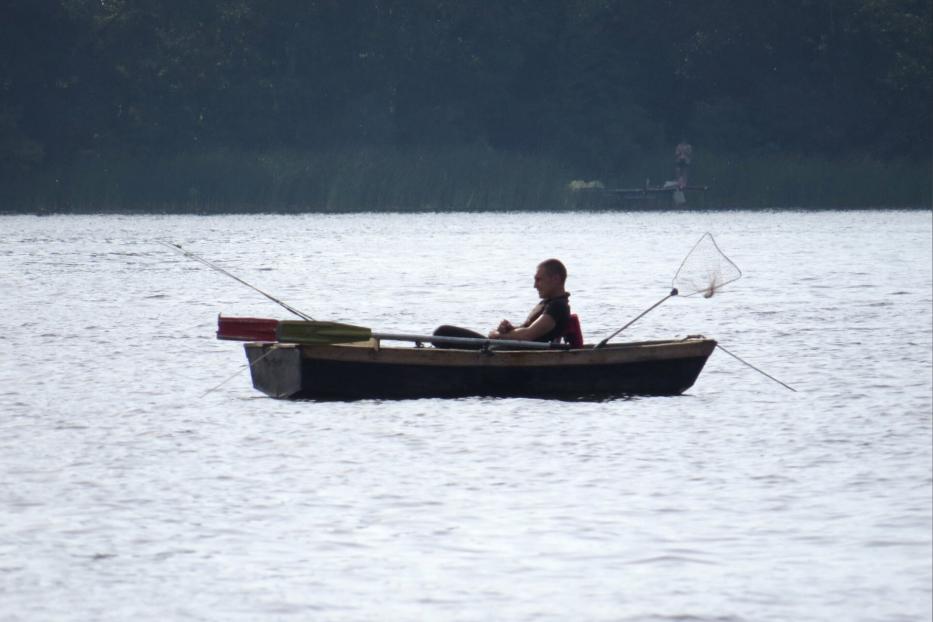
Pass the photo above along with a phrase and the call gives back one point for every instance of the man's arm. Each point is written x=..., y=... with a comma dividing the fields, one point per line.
x=544, y=324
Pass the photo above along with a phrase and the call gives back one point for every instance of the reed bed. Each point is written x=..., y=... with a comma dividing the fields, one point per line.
x=453, y=179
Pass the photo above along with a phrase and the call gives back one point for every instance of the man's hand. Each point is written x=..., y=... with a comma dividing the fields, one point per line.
x=541, y=326
x=505, y=327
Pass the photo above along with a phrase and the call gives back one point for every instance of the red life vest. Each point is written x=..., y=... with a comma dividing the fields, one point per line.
x=574, y=334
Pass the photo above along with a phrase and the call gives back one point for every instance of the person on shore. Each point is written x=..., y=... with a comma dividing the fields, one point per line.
x=683, y=154
x=548, y=320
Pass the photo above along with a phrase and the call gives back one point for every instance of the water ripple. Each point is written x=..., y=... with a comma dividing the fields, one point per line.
x=125, y=494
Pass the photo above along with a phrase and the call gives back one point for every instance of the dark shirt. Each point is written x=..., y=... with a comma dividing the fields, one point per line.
x=559, y=310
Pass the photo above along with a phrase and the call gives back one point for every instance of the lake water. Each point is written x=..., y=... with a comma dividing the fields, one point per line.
x=129, y=494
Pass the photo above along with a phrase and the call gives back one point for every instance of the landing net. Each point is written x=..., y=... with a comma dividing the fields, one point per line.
x=704, y=270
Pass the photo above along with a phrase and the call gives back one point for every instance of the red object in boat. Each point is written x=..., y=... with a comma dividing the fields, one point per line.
x=246, y=328
x=574, y=334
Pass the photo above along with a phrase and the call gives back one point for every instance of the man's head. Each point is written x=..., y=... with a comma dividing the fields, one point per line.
x=550, y=277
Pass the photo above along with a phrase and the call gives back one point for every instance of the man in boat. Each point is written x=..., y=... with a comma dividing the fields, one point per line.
x=683, y=153
x=548, y=320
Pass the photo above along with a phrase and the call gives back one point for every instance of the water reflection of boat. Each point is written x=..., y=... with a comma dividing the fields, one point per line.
x=368, y=369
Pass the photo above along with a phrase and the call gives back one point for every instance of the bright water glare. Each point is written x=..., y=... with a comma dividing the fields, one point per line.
x=129, y=494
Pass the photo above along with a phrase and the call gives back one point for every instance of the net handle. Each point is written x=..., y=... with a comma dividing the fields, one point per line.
x=603, y=343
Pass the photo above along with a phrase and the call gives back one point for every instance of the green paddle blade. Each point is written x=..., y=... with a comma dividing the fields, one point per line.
x=320, y=333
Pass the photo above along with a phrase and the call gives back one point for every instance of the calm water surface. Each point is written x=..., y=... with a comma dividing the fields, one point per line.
x=129, y=494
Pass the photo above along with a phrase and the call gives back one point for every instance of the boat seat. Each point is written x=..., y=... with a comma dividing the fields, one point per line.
x=574, y=334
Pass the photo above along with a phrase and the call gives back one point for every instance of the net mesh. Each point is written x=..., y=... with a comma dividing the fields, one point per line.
x=705, y=270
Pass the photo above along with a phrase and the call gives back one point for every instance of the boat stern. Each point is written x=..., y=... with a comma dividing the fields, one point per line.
x=275, y=368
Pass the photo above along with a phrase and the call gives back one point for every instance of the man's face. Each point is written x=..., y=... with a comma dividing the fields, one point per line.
x=546, y=283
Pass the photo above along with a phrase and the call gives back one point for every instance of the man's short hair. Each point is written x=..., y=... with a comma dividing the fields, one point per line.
x=555, y=268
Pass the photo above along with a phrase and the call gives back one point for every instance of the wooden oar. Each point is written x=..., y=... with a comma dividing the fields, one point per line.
x=325, y=333
x=320, y=333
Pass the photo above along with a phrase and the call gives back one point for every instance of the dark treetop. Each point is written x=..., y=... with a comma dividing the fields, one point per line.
x=595, y=83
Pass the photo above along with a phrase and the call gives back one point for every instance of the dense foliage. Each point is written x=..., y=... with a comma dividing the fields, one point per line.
x=595, y=83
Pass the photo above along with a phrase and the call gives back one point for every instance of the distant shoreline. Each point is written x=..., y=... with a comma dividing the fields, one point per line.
x=470, y=179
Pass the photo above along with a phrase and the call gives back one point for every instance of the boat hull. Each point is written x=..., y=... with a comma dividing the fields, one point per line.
x=346, y=372
x=663, y=198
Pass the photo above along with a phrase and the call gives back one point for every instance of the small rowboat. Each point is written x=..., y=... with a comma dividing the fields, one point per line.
x=668, y=196
x=325, y=360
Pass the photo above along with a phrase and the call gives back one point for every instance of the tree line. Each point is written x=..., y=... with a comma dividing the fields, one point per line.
x=593, y=83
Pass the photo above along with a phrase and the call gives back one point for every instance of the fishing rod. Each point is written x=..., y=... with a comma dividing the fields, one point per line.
x=763, y=373
x=236, y=373
x=198, y=258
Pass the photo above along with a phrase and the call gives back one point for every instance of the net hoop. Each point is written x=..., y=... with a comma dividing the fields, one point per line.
x=705, y=270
